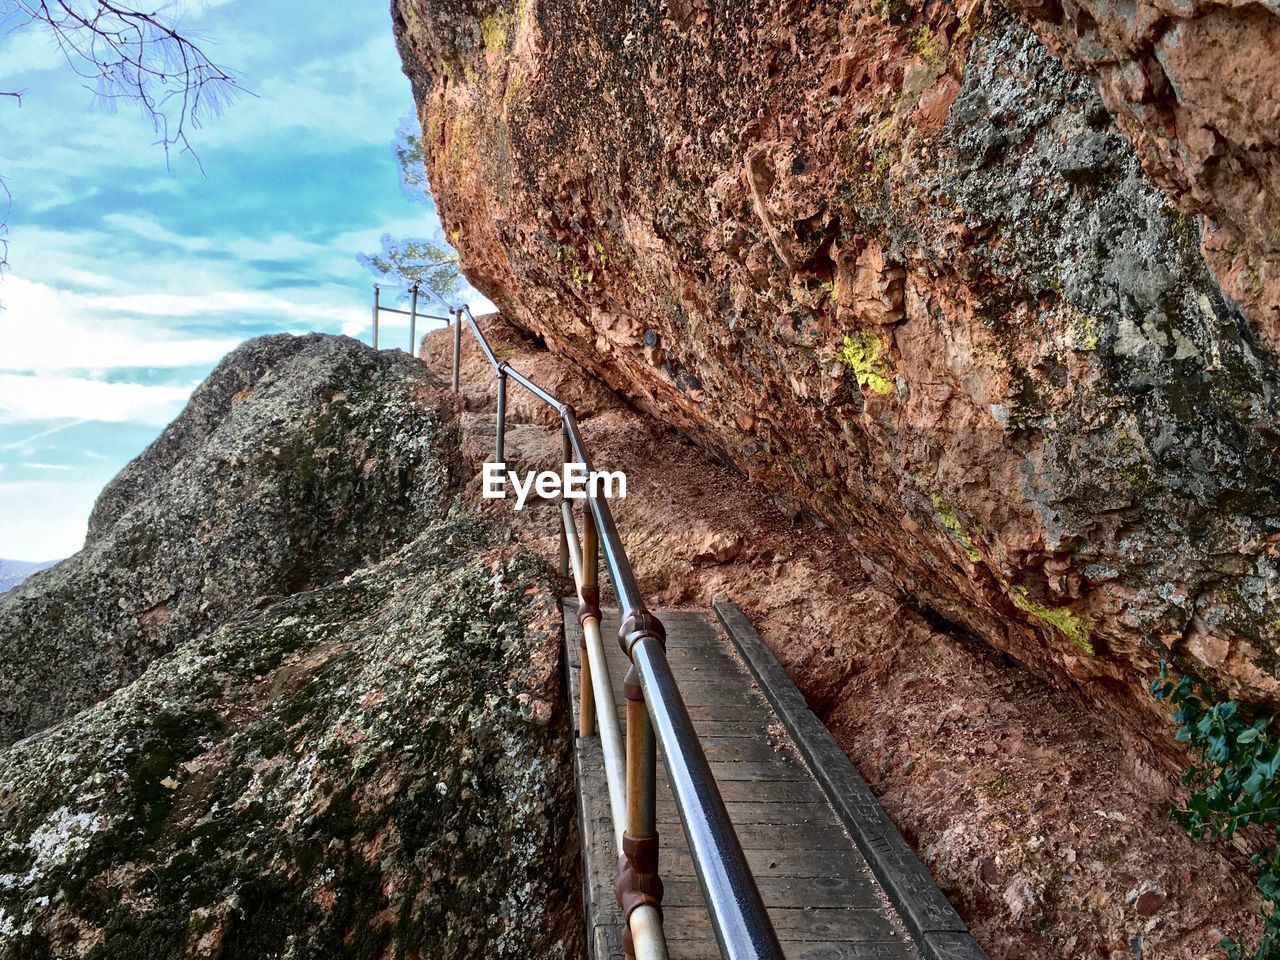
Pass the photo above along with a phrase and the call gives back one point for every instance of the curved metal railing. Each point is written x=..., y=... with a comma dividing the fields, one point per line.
x=656, y=714
x=412, y=313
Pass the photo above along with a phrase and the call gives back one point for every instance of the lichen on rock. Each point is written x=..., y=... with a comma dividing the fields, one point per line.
x=861, y=353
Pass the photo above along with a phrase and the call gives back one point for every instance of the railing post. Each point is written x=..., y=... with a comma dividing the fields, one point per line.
x=500, y=441
x=589, y=595
x=377, y=294
x=457, y=348
x=639, y=887
x=596, y=667
x=413, y=323
x=567, y=453
x=590, y=552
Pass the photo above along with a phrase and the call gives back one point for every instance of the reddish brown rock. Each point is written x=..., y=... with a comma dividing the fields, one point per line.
x=897, y=263
x=1149, y=903
x=993, y=775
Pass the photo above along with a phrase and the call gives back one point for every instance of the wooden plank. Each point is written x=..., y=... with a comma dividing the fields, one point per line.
x=740, y=697
x=595, y=827
x=838, y=924
x=760, y=791
x=709, y=665
x=595, y=832
x=822, y=897
x=740, y=727
x=769, y=771
x=802, y=892
x=765, y=864
x=817, y=815
x=828, y=835
x=952, y=946
x=755, y=748
x=606, y=943
x=791, y=837
x=804, y=950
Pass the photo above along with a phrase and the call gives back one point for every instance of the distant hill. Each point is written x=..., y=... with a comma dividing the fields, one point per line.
x=13, y=572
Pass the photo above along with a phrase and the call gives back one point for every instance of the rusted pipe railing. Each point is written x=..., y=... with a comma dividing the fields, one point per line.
x=566, y=450
x=457, y=350
x=656, y=716
x=500, y=432
x=596, y=680
x=413, y=323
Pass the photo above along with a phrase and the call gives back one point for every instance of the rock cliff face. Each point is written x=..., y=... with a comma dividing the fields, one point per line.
x=900, y=263
x=1194, y=84
x=1045, y=820
x=325, y=755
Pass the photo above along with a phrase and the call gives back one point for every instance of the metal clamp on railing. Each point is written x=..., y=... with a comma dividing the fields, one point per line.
x=656, y=715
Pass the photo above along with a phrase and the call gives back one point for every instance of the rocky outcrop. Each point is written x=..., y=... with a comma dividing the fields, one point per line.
x=1044, y=819
x=900, y=264
x=297, y=460
x=369, y=761
x=370, y=769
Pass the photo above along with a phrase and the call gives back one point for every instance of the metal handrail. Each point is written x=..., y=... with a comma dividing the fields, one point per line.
x=656, y=715
x=412, y=313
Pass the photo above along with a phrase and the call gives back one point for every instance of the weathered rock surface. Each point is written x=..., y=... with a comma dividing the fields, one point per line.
x=369, y=760
x=1195, y=85
x=298, y=459
x=901, y=265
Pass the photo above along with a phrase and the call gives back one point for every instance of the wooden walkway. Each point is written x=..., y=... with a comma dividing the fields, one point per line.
x=837, y=878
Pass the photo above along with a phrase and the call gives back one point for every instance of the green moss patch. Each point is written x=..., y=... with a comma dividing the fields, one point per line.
x=1071, y=625
x=948, y=520
x=863, y=354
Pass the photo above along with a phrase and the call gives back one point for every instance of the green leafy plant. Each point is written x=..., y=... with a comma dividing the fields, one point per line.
x=1233, y=782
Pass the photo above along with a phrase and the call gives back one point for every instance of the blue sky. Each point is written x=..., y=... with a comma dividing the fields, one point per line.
x=129, y=281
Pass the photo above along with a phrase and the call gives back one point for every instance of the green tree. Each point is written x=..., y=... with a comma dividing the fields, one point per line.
x=416, y=263
x=422, y=262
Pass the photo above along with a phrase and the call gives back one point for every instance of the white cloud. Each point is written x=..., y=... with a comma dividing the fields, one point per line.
x=213, y=303
x=342, y=99
x=150, y=230
x=45, y=329
x=44, y=521
x=25, y=443
x=27, y=397
x=29, y=49
x=101, y=281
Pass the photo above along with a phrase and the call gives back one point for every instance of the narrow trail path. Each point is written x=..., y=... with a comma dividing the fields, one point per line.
x=836, y=877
